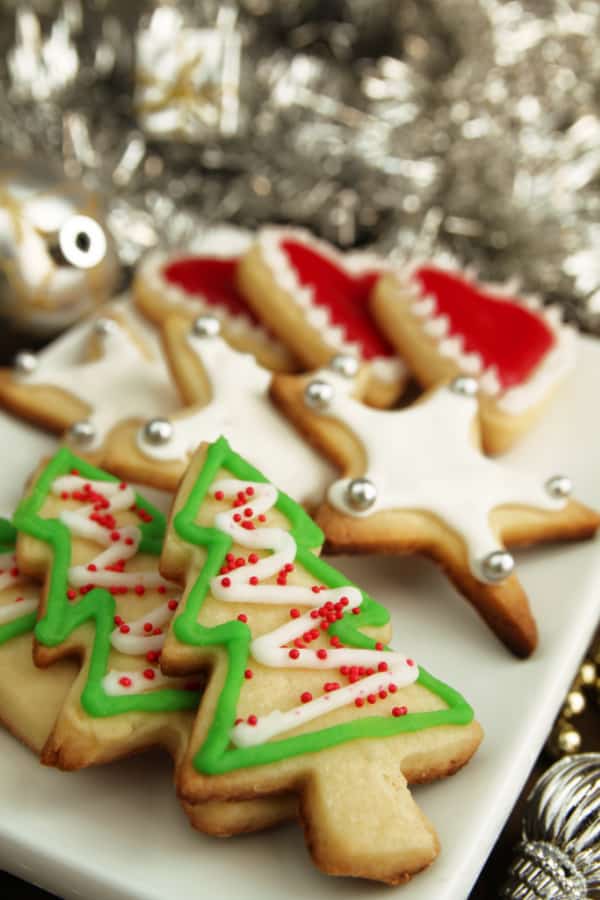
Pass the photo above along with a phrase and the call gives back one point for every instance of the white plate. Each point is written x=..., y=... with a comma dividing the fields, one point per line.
x=117, y=832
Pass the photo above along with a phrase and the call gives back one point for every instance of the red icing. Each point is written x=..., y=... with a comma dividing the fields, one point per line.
x=502, y=331
x=345, y=296
x=212, y=279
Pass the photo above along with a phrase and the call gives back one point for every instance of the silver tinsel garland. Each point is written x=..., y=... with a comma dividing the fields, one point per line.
x=466, y=128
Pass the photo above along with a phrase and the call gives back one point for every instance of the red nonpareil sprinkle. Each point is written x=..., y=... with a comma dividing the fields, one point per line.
x=331, y=686
x=298, y=642
x=262, y=518
x=315, y=589
x=324, y=625
x=294, y=613
x=252, y=720
x=253, y=558
x=248, y=512
x=123, y=486
x=237, y=518
x=248, y=673
x=161, y=588
x=129, y=541
x=335, y=641
x=294, y=653
x=410, y=662
x=392, y=688
x=153, y=655
x=124, y=629
x=344, y=601
x=125, y=681
x=250, y=491
x=157, y=631
x=19, y=599
x=355, y=610
x=314, y=613
x=118, y=620
x=382, y=694
x=219, y=495
x=238, y=720
x=253, y=580
x=359, y=702
x=14, y=571
x=249, y=526
x=241, y=495
x=226, y=582
x=230, y=557
x=148, y=626
x=242, y=617
x=173, y=604
x=382, y=667
x=237, y=503
x=240, y=561
x=371, y=698
x=140, y=589
x=115, y=536
x=306, y=696
x=224, y=569
x=74, y=471
x=288, y=567
x=92, y=567
x=71, y=594
x=322, y=653
x=149, y=674
x=369, y=671
x=399, y=711
x=282, y=579
x=344, y=670
x=379, y=645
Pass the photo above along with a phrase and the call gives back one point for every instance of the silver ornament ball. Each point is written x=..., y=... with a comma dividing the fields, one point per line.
x=158, y=431
x=25, y=362
x=82, y=432
x=559, y=487
x=318, y=394
x=206, y=327
x=497, y=566
x=103, y=326
x=344, y=364
x=465, y=386
x=360, y=494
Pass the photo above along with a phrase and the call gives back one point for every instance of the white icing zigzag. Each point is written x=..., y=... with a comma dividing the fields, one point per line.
x=246, y=584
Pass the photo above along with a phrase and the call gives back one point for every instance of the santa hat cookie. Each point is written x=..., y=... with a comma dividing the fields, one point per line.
x=316, y=299
x=446, y=324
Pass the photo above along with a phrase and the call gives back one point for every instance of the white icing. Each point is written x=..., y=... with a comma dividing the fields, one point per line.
x=136, y=642
x=26, y=601
x=270, y=240
x=423, y=458
x=241, y=410
x=269, y=649
x=515, y=400
x=122, y=384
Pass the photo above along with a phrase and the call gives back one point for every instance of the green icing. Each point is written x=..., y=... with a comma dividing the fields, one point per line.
x=216, y=755
x=25, y=623
x=98, y=607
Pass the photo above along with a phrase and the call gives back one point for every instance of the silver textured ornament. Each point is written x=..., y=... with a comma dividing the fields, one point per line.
x=158, y=431
x=25, y=362
x=206, y=327
x=559, y=857
x=497, y=566
x=465, y=386
x=360, y=494
x=81, y=433
x=318, y=394
x=344, y=364
x=559, y=487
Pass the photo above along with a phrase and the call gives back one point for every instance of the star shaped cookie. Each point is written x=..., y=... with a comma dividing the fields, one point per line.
x=415, y=480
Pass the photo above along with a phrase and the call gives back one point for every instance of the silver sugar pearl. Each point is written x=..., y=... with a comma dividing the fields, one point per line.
x=559, y=487
x=497, y=566
x=206, y=327
x=25, y=362
x=158, y=431
x=360, y=494
x=82, y=432
x=344, y=364
x=318, y=394
x=103, y=326
x=465, y=386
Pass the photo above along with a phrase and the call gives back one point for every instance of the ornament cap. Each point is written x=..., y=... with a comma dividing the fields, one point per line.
x=360, y=494
x=318, y=394
x=158, y=431
x=497, y=566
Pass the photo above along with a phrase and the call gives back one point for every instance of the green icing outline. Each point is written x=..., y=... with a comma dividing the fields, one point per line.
x=99, y=606
x=26, y=622
x=215, y=755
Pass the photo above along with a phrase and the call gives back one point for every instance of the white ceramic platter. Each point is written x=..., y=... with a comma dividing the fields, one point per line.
x=118, y=832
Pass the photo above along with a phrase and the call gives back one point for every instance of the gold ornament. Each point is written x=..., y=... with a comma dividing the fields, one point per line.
x=574, y=704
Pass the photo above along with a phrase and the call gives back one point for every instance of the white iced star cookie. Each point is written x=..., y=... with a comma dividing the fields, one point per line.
x=416, y=480
x=230, y=396
x=445, y=324
x=102, y=372
x=203, y=281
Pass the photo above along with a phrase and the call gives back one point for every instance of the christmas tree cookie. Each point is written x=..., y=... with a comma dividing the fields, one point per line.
x=415, y=480
x=446, y=325
x=303, y=693
x=30, y=699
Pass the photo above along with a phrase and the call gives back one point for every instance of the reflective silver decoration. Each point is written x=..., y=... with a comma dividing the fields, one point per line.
x=25, y=362
x=82, y=242
x=559, y=486
x=360, y=494
x=318, y=394
x=559, y=857
x=464, y=385
x=158, y=431
x=497, y=565
x=104, y=326
x=81, y=433
x=344, y=364
x=206, y=327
